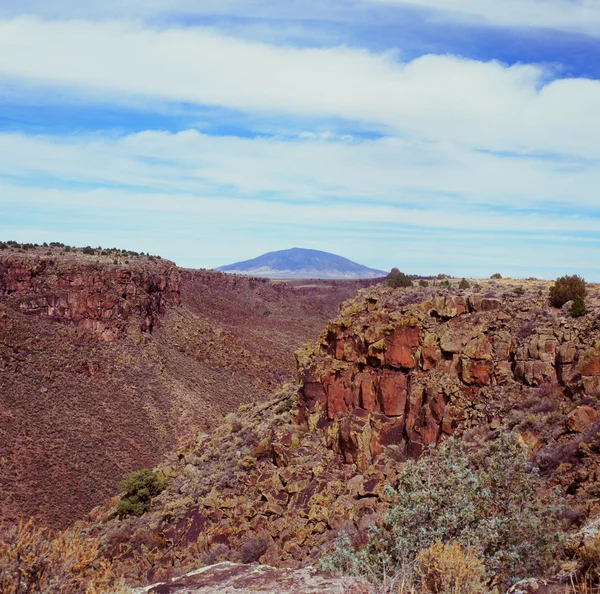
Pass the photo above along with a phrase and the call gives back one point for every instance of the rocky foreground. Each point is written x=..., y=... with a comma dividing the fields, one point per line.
x=397, y=371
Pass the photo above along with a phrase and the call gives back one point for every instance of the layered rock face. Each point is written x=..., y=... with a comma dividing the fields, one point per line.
x=99, y=297
x=392, y=373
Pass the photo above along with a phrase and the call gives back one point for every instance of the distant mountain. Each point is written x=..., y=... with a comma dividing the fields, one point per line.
x=302, y=263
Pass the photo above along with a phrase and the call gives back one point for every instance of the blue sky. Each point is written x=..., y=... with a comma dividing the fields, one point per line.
x=455, y=136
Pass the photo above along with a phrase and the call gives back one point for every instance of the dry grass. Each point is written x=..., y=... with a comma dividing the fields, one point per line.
x=449, y=569
x=34, y=561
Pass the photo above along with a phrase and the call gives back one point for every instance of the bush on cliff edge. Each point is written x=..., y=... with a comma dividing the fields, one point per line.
x=567, y=288
x=137, y=491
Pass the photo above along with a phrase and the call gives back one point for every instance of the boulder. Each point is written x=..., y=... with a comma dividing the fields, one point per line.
x=581, y=419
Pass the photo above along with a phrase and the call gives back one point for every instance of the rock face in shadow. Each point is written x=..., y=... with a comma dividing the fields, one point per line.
x=390, y=372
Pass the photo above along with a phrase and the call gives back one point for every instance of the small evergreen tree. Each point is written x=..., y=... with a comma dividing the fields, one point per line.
x=137, y=491
x=397, y=279
x=464, y=284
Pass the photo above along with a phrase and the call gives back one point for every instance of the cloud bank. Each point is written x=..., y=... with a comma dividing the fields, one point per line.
x=451, y=164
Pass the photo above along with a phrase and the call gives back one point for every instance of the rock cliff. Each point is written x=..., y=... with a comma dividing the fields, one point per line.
x=107, y=361
x=391, y=372
x=91, y=294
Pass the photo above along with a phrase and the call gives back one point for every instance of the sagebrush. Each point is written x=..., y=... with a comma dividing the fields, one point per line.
x=488, y=505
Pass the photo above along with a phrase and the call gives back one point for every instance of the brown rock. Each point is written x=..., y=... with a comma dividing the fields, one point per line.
x=448, y=306
x=450, y=339
x=339, y=396
x=589, y=364
x=366, y=390
x=393, y=393
x=581, y=419
x=566, y=353
x=480, y=303
x=476, y=372
x=401, y=346
x=591, y=384
x=478, y=348
x=431, y=356
x=531, y=442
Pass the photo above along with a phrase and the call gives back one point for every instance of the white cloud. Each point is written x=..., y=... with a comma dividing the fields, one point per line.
x=317, y=170
x=433, y=98
x=213, y=230
x=580, y=16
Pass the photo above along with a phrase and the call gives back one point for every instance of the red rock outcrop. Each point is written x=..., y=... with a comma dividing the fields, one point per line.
x=99, y=297
x=391, y=372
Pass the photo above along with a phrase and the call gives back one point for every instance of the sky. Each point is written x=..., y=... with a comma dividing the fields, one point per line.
x=436, y=136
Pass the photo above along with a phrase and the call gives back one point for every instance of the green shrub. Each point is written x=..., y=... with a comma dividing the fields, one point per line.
x=90, y=251
x=578, y=307
x=519, y=290
x=397, y=279
x=423, y=283
x=567, y=288
x=496, y=276
x=137, y=491
x=491, y=507
x=446, y=284
x=464, y=284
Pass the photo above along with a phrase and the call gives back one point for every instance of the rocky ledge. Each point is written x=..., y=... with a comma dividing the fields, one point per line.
x=226, y=578
x=397, y=370
x=93, y=294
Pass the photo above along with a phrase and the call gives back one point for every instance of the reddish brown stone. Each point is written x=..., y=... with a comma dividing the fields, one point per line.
x=589, y=364
x=393, y=393
x=401, y=347
x=385, y=431
x=339, y=397
x=476, y=372
x=364, y=387
x=314, y=392
x=581, y=419
x=431, y=357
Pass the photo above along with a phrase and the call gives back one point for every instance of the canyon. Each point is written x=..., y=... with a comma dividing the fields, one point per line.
x=106, y=363
x=276, y=415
